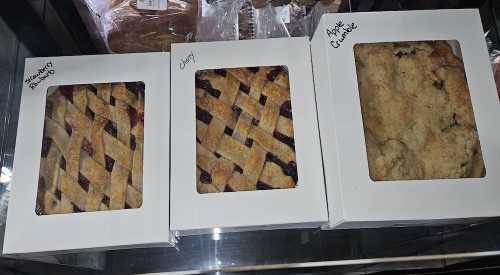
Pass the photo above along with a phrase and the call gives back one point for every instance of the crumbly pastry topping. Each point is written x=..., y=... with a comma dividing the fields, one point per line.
x=244, y=130
x=92, y=150
x=417, y=113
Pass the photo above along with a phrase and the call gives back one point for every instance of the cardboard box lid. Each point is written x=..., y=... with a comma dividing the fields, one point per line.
x=352, y=195
x=26, y=232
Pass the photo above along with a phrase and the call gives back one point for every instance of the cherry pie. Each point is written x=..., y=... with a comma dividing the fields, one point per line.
x=244, y=130
x=92, y=150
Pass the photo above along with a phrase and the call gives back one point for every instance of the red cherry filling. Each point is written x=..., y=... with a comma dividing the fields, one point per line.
x=133, y=144
x=46, y=143
x=68, y=128
x=67, y=92
x=87, y=147
x=135, y=116
x=109, y=163
x=83, y=182
x=48, y=109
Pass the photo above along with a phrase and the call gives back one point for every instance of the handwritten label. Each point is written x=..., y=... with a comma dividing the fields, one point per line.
x=185, y=61
x=339, y=32
x=41, y=74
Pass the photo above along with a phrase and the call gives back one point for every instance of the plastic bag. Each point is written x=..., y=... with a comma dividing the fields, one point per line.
x=495, y=62
x=496, y=72
x=318, y=10
x=269, y=24
x=239, y=20
x=305, y=15
x=219, y=20
x=246, y=21
x=260, y=19
x=299, y=20
x=125, y=28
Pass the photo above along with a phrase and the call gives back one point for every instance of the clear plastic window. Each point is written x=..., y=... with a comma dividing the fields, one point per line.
x=92, y=149
x=244, y=130
x=417, y=113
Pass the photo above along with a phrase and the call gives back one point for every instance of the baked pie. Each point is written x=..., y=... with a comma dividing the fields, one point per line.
x=92, y=149
x=417, y=112
x=244, y=130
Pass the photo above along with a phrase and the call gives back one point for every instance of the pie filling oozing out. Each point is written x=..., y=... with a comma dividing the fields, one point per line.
x=92, y=149
x=417, y=113
x=244, y=130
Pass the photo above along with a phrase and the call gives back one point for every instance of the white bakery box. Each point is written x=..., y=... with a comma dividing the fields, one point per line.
x=406, y=169
x=245, y=149
x=91, y=163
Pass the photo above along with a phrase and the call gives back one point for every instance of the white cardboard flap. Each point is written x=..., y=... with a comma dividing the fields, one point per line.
x=353, y=196
x=26, y=232
x=304, y=205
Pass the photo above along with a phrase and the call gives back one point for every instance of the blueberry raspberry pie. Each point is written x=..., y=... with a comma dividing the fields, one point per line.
x=92, y=149
x=244, y=130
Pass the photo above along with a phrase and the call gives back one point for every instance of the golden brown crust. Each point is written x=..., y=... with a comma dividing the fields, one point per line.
x=244, y=137
x=92, y=153
x=417, y=112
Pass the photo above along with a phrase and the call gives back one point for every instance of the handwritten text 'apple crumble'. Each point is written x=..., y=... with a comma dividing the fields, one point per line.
x=339, y=32
x=41, y=74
